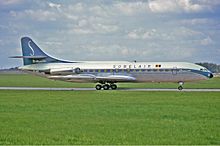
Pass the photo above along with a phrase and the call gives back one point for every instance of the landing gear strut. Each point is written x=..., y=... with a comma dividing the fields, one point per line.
x=106, y=86
x=180, y=86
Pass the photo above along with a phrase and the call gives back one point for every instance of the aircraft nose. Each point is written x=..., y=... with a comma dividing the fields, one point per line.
x=210, y=75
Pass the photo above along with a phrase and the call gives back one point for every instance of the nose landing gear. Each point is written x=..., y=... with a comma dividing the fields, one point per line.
x=180, y=86
x=106, y=86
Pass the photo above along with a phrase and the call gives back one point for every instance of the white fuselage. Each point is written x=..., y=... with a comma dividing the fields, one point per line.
x=140, y=71
x=107, y=73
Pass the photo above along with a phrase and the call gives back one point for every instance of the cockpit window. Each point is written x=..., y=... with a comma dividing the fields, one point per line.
x=203, y=69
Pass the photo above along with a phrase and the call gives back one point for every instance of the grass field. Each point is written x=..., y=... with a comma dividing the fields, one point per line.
x=24, y=80
x=107, y=117
x=112, y=117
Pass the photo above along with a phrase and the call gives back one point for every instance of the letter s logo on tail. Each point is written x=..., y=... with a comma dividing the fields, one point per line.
x=29, y=45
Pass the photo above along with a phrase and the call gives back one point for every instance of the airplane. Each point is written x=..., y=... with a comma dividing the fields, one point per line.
x=107, y=73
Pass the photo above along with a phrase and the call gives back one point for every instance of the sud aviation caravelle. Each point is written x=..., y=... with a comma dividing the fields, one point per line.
x=107, y=73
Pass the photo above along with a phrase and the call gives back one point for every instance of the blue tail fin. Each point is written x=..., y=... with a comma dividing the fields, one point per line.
x=32, y=54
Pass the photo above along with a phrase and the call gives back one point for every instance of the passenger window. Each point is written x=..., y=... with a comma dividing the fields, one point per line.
x=158, y=65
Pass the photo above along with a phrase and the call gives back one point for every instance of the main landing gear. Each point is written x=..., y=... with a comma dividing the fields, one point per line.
x=180, y=86
x=106, y=86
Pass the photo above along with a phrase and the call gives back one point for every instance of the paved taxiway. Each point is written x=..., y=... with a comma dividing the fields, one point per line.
x=93, y=89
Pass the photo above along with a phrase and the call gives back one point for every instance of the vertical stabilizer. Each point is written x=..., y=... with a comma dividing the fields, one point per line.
x=32, y=54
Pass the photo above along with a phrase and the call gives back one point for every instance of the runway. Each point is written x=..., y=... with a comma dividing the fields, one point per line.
x=93, y=89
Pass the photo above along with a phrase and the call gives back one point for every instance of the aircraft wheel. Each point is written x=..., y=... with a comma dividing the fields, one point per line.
x=106, y=87
x=180, y=88
x=98, y=87
x=113, y=86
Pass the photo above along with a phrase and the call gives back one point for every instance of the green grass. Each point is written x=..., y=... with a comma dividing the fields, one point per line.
x=110, y=117
x=107, y=117
x=24, y=80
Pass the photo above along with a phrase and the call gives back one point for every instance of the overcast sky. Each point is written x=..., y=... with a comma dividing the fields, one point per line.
x=147, y=30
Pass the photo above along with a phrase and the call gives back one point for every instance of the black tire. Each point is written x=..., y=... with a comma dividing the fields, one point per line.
x=180, y=88
x=98, y=87
x=106, y=87
x=113, y=86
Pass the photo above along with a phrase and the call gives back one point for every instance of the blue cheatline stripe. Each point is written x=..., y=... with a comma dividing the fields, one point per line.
x=162, y=70
x=207, y=74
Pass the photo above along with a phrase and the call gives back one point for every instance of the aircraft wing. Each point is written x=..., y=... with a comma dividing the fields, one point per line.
x=117, y=78
x=86, y=77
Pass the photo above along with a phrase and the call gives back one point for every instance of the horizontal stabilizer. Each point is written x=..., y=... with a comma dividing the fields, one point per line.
x=30, y=57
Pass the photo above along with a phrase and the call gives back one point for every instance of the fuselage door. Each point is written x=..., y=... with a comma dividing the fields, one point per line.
x=174, y=71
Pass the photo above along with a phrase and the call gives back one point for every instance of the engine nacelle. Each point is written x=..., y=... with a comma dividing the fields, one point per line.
x=77, y=70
